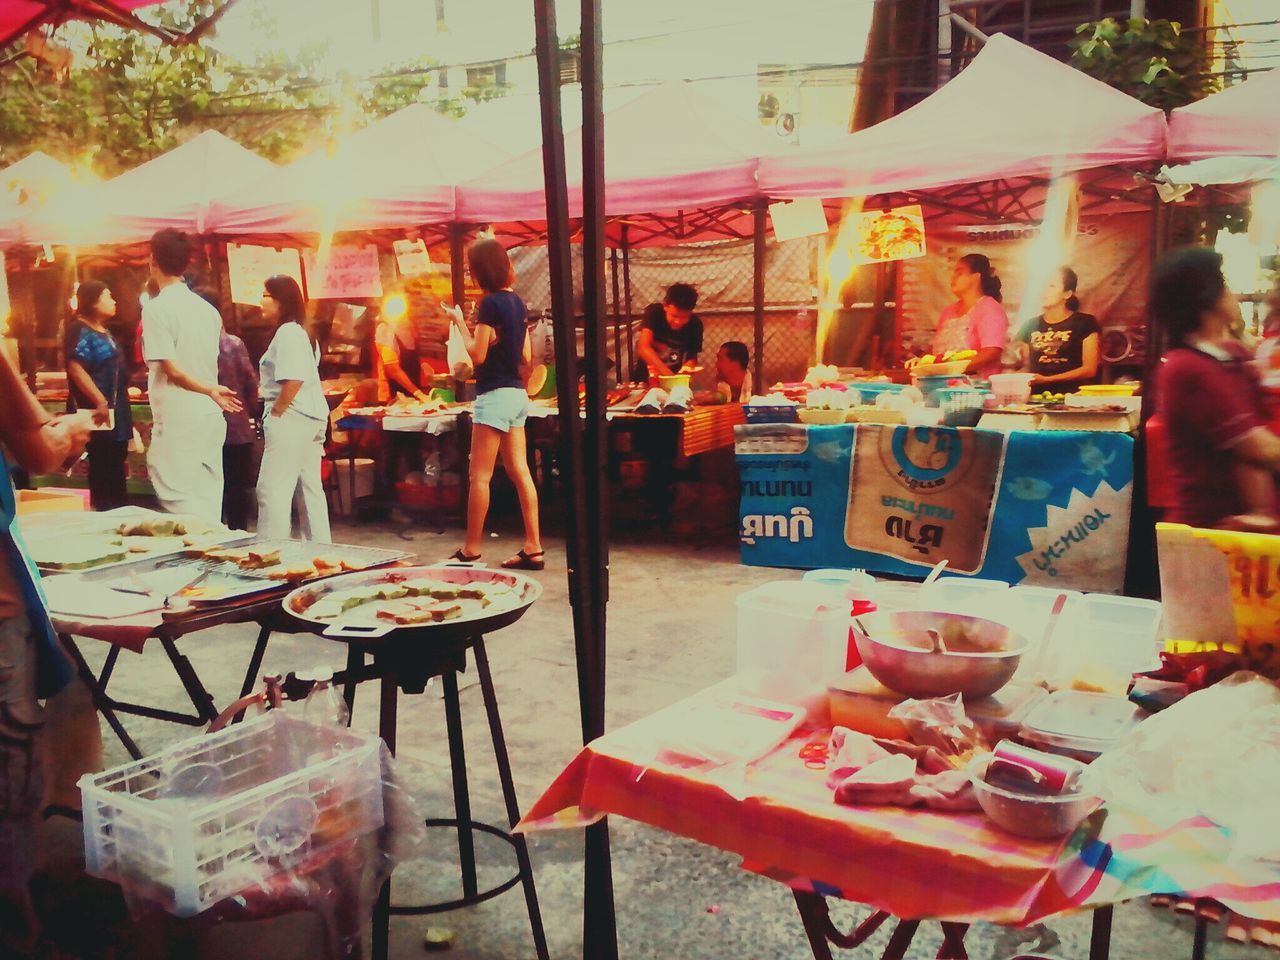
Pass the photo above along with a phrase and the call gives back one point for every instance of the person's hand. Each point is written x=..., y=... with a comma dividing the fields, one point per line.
x=454, y=311
x=69, y=434
x=226, y=398
x=102, y=415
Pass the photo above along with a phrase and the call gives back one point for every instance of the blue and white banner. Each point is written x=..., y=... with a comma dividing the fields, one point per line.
x=1037, y=507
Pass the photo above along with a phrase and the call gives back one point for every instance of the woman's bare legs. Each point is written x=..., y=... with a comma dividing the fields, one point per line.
x=485, y=442
x=515, y=460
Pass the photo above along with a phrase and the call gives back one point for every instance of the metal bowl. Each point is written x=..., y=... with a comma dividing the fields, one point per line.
x=898, y=649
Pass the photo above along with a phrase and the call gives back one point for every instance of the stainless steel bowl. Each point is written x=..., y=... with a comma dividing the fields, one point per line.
x=898, y=649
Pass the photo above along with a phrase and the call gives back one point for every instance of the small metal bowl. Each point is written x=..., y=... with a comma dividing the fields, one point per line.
x=898, y=649
x=1040, y=817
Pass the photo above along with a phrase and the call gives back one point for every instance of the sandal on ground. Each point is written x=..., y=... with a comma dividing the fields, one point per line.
x=526, y=561
x=462, y=557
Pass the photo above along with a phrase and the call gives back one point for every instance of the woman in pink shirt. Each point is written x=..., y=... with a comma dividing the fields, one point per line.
x=976, y=321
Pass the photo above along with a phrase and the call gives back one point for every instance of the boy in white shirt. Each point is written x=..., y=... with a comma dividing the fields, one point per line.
x=180, y=334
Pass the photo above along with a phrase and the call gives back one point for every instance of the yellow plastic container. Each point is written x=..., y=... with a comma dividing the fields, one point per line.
x=1253, y=565
x=1108, y=390
x=50, y=500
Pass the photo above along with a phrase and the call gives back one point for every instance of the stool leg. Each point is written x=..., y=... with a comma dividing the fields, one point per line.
x=461, y=797
x=355, y=661
x=255, y=661
x=381, y=939
x=509, y=795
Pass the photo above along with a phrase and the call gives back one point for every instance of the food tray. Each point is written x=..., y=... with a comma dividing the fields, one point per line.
x=771, y=413
x=210, y=817
x=92, y=526
x=361, y=622
x=228, y=582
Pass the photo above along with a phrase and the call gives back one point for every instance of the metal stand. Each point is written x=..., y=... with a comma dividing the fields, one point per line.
x=397, y=669
x=109, y=707
x=823, y=935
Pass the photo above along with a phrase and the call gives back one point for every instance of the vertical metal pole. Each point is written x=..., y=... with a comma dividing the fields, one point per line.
x=626, y=299
x=600, y=938
x=617, y=321
x=600, y=935
x=944, y=42
x=758, y=215
x=457, y=269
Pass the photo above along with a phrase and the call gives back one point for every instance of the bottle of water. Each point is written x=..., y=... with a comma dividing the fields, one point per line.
x=324, y=705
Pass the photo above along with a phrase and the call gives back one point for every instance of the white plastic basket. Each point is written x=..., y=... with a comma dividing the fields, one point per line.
x=215, y=815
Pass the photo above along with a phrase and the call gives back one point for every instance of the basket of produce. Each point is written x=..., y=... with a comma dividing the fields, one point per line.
x=950, y=364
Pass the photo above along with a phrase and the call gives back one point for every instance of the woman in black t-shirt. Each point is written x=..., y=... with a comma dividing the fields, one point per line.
x=1063, y=343
x=499, y=348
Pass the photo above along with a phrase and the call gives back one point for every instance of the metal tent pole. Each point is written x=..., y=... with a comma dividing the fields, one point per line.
x=626, y=300
x=600, y=939
x=584, y=541
x=457, y=273
x=617, y=320
x=758, y=215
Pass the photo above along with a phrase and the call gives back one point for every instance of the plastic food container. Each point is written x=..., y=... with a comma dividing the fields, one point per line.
x=669, y=383
x=1031, y=815
x=207, y=818
x=1011, y=387
x=930, y=385
x=869, y=390
x=822, y=418
x=792, y=639
x=961, y=406
x=1079, y=725
x=1100, y=641
x=1108, y=389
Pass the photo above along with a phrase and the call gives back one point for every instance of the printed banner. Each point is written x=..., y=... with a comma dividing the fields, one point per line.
x=1047, y=508
x=343, y=273
x=249, y=267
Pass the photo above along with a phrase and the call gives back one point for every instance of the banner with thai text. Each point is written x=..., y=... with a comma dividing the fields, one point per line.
x=1048, y=508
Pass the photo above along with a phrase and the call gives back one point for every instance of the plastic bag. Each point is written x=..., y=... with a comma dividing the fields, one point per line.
x=1212, y=754
x=941, y=723
x=456, y=353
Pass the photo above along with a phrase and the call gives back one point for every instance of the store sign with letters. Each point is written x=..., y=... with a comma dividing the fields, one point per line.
x=1037, y=508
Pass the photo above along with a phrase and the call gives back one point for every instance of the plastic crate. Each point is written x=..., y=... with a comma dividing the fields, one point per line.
x=771, y=413
x=213, y=816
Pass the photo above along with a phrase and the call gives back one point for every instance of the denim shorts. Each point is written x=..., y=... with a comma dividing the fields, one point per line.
x=503, y=409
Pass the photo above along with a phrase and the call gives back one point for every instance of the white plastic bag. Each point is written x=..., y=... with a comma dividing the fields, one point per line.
x=456, y=353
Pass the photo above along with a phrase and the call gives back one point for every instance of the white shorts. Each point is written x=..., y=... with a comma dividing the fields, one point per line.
x=503, y=409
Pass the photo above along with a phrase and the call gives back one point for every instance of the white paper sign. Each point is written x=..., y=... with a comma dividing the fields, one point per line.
x=250, y=266
x=411, y=257
x=343, y=273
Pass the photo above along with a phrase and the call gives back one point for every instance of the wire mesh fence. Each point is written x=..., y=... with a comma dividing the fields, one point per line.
x=723, y=273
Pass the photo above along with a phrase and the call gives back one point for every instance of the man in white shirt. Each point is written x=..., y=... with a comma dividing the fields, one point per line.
x=180, y=333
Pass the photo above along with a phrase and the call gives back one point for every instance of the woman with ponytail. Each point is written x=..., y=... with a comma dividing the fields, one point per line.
x=976, y=321
x=1063, y=342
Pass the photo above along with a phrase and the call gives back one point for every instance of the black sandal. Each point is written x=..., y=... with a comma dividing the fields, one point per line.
x=526, y=561
x=464, y=557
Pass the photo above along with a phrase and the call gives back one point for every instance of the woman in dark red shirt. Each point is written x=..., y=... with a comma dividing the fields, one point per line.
x=1221, y=456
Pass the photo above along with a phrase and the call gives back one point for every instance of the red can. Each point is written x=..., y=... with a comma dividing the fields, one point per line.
x=1041, y=772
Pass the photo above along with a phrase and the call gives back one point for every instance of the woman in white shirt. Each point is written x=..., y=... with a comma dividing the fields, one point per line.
x=294, y=422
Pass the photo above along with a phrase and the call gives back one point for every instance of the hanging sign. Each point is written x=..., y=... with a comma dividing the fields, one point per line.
x=799, y=218
x=343, y=273
x=883, y=235
x=412, y=259
x=250, y=266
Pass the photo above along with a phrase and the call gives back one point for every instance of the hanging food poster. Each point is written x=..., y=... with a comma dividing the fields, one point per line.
x=249, y=267
x=882, y=235
x=343, y=273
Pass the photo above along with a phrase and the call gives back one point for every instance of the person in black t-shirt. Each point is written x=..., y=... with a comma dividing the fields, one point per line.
x=670, y=336
x=1062, y=343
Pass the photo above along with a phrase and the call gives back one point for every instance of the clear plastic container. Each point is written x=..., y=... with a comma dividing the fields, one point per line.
x=1100, y=641
x=792, y=639
x=1079, y=725
x=968, y=595
x=210, y=817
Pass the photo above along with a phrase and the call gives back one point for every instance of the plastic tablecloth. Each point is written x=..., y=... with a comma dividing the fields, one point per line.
x=433, y=425
x=915, y=864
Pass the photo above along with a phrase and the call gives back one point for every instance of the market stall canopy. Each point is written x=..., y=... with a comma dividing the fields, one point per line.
x=398, y=172
x=19, y=17
x=1224, y=171
x=1013, y=112
x=27, y=186
x=1241, y=121
x=668, y=150
x=172, y=190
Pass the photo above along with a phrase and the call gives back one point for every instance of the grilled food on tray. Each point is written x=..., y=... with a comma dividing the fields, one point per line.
x=153, y=528
x=420, y=599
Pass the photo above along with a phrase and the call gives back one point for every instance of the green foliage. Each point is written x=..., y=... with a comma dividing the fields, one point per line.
x=130, y=98
x=1152, y=60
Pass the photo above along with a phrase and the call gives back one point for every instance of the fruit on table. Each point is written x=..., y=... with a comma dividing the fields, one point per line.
x=952, y=355
x=1048, y=396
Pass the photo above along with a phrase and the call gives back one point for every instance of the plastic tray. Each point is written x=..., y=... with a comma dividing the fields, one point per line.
x=1078, y=724
x=210, y=817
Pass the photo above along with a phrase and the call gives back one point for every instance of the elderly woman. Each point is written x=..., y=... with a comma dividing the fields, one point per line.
x=1221, y=457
